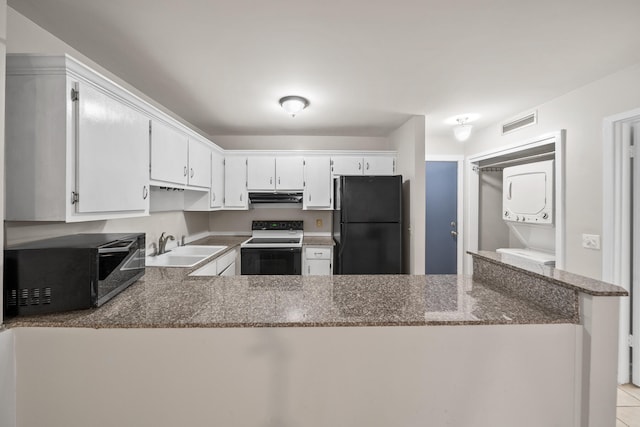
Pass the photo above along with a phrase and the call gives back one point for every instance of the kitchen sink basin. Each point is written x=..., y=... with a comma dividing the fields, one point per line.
x=183, y=256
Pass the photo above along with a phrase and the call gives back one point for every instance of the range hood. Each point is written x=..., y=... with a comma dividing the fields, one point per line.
x=275, y=197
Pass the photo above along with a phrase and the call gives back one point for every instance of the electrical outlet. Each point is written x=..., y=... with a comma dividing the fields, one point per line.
x=591, y=241
x=319, y=223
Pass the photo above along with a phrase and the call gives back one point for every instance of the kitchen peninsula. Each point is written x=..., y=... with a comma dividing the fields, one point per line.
x=514, y=345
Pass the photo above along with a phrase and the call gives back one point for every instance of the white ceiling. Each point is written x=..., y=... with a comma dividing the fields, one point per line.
x=365, y=65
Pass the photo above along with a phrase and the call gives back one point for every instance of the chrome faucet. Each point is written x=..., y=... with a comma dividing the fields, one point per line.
x=162, y=243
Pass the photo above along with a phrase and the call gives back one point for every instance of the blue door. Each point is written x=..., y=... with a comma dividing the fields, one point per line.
x=441, y=246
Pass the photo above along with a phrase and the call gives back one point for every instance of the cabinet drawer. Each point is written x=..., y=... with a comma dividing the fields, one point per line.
x=226, y=260
x=317, y=253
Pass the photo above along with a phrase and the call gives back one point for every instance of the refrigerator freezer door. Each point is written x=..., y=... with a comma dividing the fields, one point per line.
x=373, y=248
x=371, y=198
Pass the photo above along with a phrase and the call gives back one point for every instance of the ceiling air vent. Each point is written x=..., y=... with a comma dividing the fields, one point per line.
x=520, y=122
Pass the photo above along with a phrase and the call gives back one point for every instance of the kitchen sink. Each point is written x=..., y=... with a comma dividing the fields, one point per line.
x=183, y=256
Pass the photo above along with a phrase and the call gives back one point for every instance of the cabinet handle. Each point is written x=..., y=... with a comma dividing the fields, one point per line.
x=192, y=173
x=145, y=192
x=240, y=196
x=278, y=180
x=309, y=196
x=359, y=166
x=367, y=165
x=317, y=253
x=213, y=197
x=308, y=269
x=270, y=180
x=185, y=171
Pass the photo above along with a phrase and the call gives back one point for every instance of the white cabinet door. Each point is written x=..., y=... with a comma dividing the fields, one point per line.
x=229, y=271
x=347, y=165
x=199, y=164
x=261, y=173
x=318, y=183
x=379, y=165
x=317, y=261
x=235, y=183
x=217, y=180
x=169, y=153
x=289, y=173
x=112, y=154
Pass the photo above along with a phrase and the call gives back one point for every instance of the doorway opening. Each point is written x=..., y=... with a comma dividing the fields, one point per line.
x=621, y=232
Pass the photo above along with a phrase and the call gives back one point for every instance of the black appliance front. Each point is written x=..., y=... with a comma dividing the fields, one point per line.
x=279, y=261
x=370, y=198
x=369, y=248
x=70, y=272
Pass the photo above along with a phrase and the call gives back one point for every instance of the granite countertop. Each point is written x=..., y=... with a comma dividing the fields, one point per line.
x=168, y=298
x=318, y=241
x=559, y=277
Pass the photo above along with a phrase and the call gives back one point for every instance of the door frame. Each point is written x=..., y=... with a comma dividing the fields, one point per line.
x=473, y=191
x=459, y=159
x=616, y=223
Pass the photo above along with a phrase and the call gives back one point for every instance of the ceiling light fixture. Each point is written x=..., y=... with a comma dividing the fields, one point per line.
x=462, y=128
x=462, y=131
x=293, y=104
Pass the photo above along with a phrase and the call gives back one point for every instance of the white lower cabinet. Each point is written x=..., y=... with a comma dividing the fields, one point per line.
x=224, y=265
x=318, y=261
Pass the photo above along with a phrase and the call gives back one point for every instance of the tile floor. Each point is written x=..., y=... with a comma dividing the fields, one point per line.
x=628, y=410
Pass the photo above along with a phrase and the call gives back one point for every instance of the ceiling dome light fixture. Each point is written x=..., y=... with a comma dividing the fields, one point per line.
x=462, y=128
x=462, y=131
x=293, y=104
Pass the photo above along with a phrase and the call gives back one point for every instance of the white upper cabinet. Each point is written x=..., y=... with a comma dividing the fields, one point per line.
x=112, y=153
x=235, y=182
x=261, y=173
x=379, y=165
x=289, y=173
x=367, y=165
x=217, y=180
x=317, y=183
x=169, y=153
x=268, y=173
x=77, y=145
x=199, y=164
x=346, y=165
x=177, y=158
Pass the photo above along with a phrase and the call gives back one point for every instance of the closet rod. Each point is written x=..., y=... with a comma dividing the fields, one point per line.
x=518, y=160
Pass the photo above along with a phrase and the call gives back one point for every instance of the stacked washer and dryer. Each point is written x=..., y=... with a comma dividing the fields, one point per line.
x=528, y=210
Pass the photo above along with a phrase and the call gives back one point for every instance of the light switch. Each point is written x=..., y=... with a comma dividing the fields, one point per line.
x=591, y=241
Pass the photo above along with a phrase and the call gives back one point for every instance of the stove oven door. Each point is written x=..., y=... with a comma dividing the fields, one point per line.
x=284, y=261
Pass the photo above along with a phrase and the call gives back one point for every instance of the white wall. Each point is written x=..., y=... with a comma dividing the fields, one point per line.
x=581, y=113
x=7, y=379
x=7, y=347
x=223, y=222
x=480, y=376
x=493, y=232
x=292, y=142
x=176, y=223
x=437, y=145
x=409, y=141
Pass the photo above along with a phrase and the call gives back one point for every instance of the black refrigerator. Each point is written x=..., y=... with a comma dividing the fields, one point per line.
x=367, y=225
